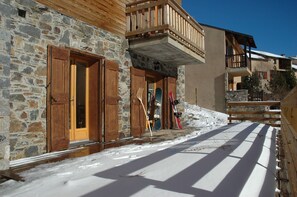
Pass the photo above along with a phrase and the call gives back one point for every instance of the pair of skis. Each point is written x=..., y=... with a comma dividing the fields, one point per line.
x=176, y=113
x=156, y=109
x=158, y=103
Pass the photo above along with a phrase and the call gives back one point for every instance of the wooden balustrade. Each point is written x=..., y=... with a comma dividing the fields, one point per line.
x=237, y=61
x=149, y=18
x=258, y=111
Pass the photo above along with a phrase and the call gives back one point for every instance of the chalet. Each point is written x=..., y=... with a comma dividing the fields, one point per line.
x=265, y=63
x=226, y=62
x=70, y=70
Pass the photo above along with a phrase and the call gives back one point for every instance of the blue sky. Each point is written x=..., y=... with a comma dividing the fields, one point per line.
x=272, y=23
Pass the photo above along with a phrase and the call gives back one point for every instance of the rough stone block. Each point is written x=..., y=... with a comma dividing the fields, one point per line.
x=6, y=124
x=4, y=83
x=30, y=30
x=4, y=59
x=17, y=97
x=4, y=108
x=31, y=151
x=36, y=127
x=7, y=10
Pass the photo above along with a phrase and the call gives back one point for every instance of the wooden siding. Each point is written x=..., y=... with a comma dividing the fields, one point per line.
x=108, y=15
x=288, y=177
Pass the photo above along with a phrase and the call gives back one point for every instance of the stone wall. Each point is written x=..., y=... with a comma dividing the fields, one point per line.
x=238, y=95
x=180, y=89
x=29, y=36
x=143, y=62
x=5, y=47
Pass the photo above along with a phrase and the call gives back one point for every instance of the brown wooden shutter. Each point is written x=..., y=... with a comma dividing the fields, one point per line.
x=111, y=101
x=94, y=102
x=58, y=98
x=171, y=87
x=137, y=114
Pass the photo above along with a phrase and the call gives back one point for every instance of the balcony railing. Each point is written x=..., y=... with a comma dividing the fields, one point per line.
x=237, y=61
x=149, y=18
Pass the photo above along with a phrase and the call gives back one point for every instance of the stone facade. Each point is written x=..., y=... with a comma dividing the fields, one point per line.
x=5, y=47
x=143, y=62
x=23, y=71
x=238, y=95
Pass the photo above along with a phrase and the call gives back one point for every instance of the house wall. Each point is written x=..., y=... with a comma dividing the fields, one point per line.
x=23, y=71
x=265, y=66
x=205, y=83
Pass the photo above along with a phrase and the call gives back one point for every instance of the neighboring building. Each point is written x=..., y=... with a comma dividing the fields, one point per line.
x=265, y=63
x=225, y=64
x=70, y=72
x=294, y=64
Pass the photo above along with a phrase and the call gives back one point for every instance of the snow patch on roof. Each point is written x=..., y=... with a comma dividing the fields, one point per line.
x=255, y=56
x=269, y=54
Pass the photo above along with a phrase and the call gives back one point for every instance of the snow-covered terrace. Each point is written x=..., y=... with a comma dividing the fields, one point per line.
x=214, y=160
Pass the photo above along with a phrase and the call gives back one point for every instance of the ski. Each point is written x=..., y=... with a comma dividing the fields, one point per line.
x=176, y=113
x=158, y=110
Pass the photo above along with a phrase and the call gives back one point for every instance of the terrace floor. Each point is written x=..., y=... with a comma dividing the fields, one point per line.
x=233, y=160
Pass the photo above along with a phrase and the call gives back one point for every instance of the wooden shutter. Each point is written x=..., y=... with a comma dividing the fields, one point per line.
x=94, y=102
x=171, y=87
x=111, y=101
x=58, y=99
x=137, y=114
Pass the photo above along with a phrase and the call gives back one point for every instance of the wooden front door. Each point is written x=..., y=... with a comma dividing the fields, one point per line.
x=111, y=112
x=170, y=82
x=138, y=123
x=79, y=100
x=58, y=99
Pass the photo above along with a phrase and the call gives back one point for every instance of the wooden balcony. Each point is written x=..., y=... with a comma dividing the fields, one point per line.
x=238, y=65
x=162, y=30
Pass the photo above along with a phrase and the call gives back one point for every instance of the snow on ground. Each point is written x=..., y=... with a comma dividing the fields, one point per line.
x=206, y=162
x=203, y=119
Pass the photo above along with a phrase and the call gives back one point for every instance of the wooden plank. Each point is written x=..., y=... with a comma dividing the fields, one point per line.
x=253, y=103
x=141, y=31
x=290, y=146
x=8, y=174
x=144, y=6
x=255, y=118
x=253, y=112
x=185, y=15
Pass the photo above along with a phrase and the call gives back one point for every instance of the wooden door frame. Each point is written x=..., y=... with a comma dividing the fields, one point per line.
x=92, y=59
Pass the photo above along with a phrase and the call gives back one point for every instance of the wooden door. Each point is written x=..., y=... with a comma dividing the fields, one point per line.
x=111, y=101
x=58, y=99
x=138, y=123
x=94, y=102
x=171, y=87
